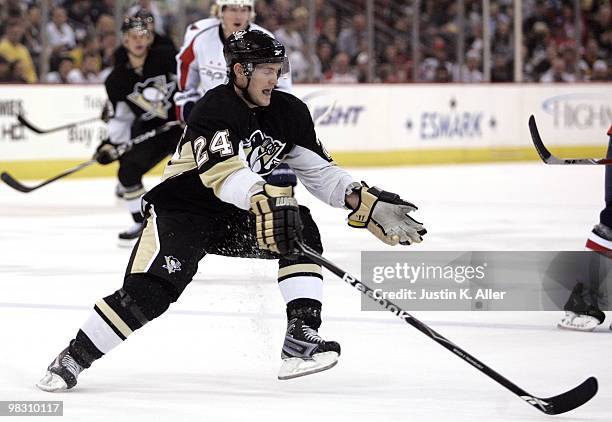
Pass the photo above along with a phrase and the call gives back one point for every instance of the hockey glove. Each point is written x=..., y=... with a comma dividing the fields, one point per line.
x=385, y=214
x=277, y=219
x=107, y=112
x=106, y=152
x=184, y=101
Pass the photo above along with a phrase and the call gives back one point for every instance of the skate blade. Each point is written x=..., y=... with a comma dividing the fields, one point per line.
x=52, y=383
x=585, y=329
x=298, y=367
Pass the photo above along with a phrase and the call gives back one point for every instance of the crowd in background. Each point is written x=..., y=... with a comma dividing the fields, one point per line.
x=82, y=36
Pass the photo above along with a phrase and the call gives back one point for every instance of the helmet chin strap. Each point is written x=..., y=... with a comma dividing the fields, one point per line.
x=245, y=91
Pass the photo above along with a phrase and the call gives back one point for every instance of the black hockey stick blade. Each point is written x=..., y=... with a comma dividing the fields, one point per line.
x=537, y=141
x=9, y=180
x=567, y=401
x=547, y=156
x=15, y=184
x=551, y=406
x=21, y=118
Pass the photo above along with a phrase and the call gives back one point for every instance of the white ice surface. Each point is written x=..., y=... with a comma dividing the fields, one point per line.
x=214, y=356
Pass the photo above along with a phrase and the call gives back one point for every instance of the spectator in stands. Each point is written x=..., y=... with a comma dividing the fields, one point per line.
x=501, y=70
x=61, y=35
x=329, y=33
x=363, y=64
x=79, y=12
x=14, y=51
x=591, y=52
x=33, y=25
x=66, y=73
x=10, y=9
x=502, y=43
x=290, y=33
x=557, y=72
x=105, y=24
x=89, y=45
x=325, y=53
x=18, y=71
x=291, y=36
x=349, y=39
x=90, y=69
x=341, y=72
x=538, y=42
x=5, y=71
x=599, y=23
x=600, y=72
x=573, y=64
x=442, y=75
x=108, y=43
x=385, y=74
x=471, y=69
x=438, y=57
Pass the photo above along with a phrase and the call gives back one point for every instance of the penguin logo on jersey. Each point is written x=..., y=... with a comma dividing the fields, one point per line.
x=173, y=265
x=153, y=96
x=265, y=155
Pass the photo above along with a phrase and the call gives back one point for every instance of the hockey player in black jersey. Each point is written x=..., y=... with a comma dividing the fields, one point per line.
x=213, y=200
x=140, y=90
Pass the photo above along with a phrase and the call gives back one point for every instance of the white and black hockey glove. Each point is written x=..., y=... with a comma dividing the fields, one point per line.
x=106, y=152
x=184, y=101
x=385, y=214
x=277, y=219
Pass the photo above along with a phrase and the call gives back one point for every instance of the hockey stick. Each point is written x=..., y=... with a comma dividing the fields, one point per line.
x=551, y=405
x=122, y=149
x=40, y=131
x=15, y=184
x=548, y=158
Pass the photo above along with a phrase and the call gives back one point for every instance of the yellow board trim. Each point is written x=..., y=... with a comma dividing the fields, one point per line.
x=459, y=156
x=24, y=170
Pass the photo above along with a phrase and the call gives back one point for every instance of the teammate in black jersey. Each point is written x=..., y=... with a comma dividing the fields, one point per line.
x=213, y=199
x=158, y=40
x=140, y=90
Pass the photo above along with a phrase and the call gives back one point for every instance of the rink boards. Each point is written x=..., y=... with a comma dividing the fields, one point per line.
x=362, y=125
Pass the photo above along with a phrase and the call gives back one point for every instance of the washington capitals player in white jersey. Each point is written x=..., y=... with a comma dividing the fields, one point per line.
x=201, y=64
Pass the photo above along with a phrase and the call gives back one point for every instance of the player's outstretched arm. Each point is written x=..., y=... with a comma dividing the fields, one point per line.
x=385, y=215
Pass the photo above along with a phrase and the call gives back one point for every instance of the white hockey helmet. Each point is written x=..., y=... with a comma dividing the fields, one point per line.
x=219, y=4
x=241, y=3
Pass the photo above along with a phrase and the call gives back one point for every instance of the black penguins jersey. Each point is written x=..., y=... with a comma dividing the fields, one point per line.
x=227, y=147
x=142, y=99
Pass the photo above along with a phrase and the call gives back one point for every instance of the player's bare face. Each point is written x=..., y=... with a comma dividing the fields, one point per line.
x=136, y=42
x=235, y=18
x=263, y=81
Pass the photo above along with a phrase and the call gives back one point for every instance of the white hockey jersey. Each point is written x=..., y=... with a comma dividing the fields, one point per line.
x=200, y=62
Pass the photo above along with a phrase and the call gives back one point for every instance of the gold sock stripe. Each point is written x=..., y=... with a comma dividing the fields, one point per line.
x=135, y=194
x=113, y=317
x=299, y=268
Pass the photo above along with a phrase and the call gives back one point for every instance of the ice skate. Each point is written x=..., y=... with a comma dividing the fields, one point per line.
x=128, y=238
x=578, y=315
x=120, y=191
x=61, y=374
x=305, y=352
